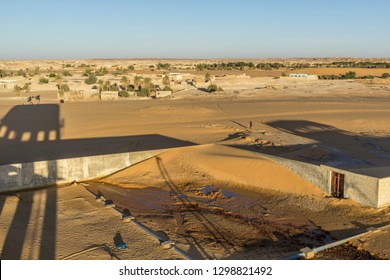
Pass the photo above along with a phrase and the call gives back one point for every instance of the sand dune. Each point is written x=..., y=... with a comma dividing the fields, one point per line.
x=245, y=170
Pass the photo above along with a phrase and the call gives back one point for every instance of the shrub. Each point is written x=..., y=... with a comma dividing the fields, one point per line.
x=64, y=87
x=385, y=75
x=212, y=88
x=167, y=88
x=91, y=79
x=350, y=75
x=66, y=74
x=21, y=73
x=207, y=77
x=166, y=81
x=143, y=92
x=123, y=93
x=367, y=77
x=52, y=75
x=131, y=67
x=43, y=80
x=113, y=87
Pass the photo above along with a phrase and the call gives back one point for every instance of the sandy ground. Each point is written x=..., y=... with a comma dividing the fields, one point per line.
x=334, y=122
x=67, y=223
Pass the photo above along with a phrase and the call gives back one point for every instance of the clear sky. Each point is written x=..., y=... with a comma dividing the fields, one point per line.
x=64, y=29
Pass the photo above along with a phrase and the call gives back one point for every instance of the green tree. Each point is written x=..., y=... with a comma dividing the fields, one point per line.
x=137, y=82
x=64, y=87
x=212, y=88
x=350, y=75
x=385, y=75
x=100, y=83
x=123, y=93
x=106, y=85
x=43, y=80
x=91, y=79
x=207, y=77
x=166, y=81
x=143, y=92
x=18, y=91
x=125, y=82
x=59, y=80
x=66, y=74
x=147, y=83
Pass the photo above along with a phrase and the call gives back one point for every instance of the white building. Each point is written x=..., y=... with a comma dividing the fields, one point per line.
x=7, y=84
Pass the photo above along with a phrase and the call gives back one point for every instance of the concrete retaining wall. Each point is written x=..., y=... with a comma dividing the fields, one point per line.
x=363, y=189
x=22, y=176
x=384, y=192
x=314, y=174
x=109, y=95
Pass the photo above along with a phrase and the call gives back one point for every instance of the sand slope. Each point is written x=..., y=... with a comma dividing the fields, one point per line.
x=242, y=169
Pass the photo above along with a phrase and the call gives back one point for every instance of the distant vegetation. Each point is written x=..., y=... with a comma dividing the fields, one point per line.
x=213, y=88
x=164, y=66
x=64, y=88
x=66, y=74
x=385, y=75
x=123, y=93
x=91, y=79
x=352, y=75
x=43, y=80
x=143, y=92
x=242, y=65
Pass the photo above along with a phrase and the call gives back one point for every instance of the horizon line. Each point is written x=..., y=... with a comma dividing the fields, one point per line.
x=173, y=58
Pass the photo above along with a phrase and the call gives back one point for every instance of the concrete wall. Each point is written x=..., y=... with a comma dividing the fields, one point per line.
x=163, y=93
x=22, y=176
x=109, y=95
x=91, y=95
x=314, y=174
x=384, y=192
x=363, y=189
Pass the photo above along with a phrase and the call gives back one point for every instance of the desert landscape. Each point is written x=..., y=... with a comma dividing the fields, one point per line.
x=220, y=184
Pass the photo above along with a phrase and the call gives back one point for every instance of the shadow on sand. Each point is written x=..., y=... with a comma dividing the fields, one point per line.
x=31, y=133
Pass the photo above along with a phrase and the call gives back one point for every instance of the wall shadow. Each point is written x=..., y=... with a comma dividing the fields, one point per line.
x=30, y=133
x=345, y=147
x=331, y=146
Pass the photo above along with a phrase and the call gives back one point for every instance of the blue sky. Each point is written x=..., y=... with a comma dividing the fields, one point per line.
x=65, y=29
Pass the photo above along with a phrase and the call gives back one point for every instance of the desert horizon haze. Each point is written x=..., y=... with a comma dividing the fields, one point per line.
x=194, y=29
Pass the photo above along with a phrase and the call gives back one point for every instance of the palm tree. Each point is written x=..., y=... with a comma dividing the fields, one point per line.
x=59, y=80
x=137, y=82
x=166, y=81
x=18, y=91
x=147, y=83
x=125, y=82
x=100, y=83
x=207, y=77
x=106, y=85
